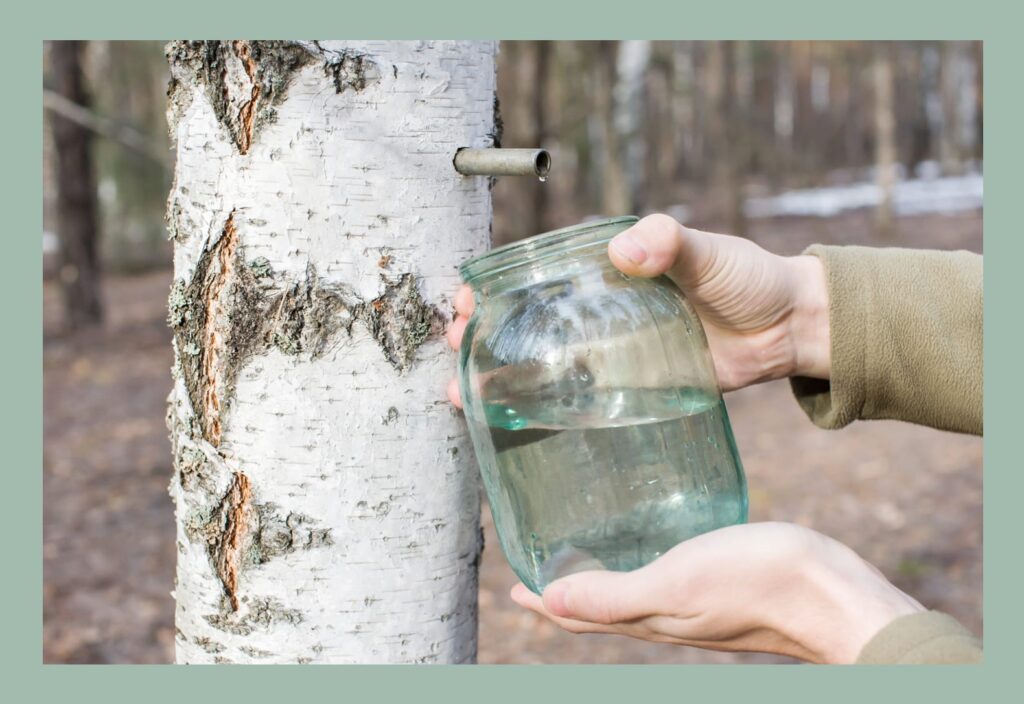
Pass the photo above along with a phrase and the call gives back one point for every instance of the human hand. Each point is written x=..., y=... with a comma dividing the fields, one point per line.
x=766, y=316
x=765, y=587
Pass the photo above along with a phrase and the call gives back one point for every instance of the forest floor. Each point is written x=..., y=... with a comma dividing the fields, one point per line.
x=908, y=499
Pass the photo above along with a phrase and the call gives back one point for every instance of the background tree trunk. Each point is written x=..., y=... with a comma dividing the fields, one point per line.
x=885, y=138
x=661, y=131
x=951, y=152
x=978, y=56
x=615, y=195
x=726, y=134
x=327, y=505
x=541, y=50
x=77, y=219
x=634, y=57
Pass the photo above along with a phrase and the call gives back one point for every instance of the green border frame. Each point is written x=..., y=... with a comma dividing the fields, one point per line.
x=996, y=22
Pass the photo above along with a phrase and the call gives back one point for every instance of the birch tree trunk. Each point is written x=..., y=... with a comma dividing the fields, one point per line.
x=885, y=139
x=327, y=504
x=615, y=195
x=628, y=99
x=951, y=153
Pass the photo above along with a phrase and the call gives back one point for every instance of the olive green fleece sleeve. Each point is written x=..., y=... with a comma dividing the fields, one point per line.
x=906, y=339
x=927, y=638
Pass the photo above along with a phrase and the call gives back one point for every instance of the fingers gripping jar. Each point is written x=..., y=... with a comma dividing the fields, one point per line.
x=594, y=408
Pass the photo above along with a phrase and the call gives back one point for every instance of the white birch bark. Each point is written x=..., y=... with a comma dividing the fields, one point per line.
x=327, y=503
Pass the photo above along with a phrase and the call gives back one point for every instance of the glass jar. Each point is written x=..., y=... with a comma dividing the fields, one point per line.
x=594, y=409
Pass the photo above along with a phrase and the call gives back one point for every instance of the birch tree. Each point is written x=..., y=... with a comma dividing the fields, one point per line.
x=327, y=506
x=885, y=139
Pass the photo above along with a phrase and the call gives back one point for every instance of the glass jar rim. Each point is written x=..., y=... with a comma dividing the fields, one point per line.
x=538, y=247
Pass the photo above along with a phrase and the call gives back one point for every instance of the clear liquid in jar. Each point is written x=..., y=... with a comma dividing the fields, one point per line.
x=607, y=479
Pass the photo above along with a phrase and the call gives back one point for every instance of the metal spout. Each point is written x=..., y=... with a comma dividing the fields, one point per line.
x=503, y=162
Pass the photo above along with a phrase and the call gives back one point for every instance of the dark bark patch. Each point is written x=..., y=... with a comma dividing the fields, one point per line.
x=218, y=324
x=239, y=533
x=227, y=533
x=260, y=267
x=232, y=310
x=208, y=645
x=255, y=652
x=307, y=314
x=277, y=535
x=499, y=125
x=179, y=224
x=390, y=417
x=193, y=469
x=350, y=70
x=400, y=320
x=255, y=613
x=243, y=80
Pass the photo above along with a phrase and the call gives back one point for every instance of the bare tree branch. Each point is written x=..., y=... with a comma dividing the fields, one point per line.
x=104, y=126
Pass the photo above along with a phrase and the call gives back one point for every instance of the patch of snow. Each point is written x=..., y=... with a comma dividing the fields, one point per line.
x=928, y=193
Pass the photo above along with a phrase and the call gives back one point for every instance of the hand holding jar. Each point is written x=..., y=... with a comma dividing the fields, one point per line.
x=767, y=587
x=766, y=316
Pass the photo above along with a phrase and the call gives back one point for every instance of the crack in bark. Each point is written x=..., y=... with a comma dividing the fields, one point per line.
x=213, y=341
x=247, y=113
x=228, y=550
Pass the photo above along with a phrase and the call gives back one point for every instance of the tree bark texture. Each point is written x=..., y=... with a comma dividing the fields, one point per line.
x=77, y=212
x=327, y=504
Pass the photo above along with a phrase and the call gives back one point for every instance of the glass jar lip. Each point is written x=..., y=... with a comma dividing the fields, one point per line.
x=542, y=246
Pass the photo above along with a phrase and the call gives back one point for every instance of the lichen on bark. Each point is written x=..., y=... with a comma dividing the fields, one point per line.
x=179, y=224
x=193, y=469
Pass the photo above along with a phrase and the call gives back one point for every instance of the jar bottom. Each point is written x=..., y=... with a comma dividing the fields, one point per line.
x=612, y=497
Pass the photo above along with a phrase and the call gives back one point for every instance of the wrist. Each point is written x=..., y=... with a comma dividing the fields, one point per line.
x=809, y=321
x=851, y=603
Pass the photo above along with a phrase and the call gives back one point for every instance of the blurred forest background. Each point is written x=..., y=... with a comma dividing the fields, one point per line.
x=787, y=143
